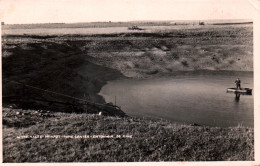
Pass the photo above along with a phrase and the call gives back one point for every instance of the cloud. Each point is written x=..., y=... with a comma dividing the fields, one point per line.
x=47, y=11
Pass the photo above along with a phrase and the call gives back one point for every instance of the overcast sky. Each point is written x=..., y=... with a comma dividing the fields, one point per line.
x=69, y=11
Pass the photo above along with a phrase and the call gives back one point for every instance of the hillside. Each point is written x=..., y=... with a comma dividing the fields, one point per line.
x=44, y=136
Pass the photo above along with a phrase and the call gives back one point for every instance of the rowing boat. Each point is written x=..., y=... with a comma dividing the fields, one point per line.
x=241, y=90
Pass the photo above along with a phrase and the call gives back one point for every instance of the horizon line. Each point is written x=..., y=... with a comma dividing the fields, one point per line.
x=251, y=20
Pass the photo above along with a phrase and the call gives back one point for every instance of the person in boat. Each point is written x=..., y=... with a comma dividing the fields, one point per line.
x=238, y=83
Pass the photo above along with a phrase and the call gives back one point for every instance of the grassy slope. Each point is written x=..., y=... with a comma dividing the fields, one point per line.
x=142, y=55
x=151, y=140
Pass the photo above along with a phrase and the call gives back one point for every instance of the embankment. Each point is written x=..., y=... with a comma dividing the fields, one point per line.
x=149, y=54
x=55, y=66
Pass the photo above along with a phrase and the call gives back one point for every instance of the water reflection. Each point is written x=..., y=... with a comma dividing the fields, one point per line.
x=237, y=97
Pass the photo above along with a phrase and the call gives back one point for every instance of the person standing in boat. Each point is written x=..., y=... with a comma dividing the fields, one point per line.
x=238, y=83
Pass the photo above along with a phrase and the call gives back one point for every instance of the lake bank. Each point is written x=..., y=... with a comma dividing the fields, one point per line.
x=60, y=68
x=127, y=139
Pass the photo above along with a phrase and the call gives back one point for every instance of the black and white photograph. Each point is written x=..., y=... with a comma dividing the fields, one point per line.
x=91, y=81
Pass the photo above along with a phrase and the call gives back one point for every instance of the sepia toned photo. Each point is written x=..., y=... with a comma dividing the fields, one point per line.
x=127, y=81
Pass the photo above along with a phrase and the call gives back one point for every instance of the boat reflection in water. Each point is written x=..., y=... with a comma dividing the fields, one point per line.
x=238, y=92
x=237, y=97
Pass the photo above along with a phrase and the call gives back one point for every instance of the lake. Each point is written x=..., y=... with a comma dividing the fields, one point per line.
x=186, y=99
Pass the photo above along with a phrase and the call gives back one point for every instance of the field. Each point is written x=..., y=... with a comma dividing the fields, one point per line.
x=40, y=68
x=63, y=137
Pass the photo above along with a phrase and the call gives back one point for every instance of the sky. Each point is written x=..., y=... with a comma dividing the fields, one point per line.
x=71, y=11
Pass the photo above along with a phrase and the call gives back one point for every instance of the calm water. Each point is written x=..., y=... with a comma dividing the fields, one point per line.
x=200, y=99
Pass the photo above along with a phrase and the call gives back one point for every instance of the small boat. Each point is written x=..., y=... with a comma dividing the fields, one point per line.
x=135, y=27
x=241, y=90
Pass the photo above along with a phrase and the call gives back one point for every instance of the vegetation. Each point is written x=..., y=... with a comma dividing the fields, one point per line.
x=140, y=139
